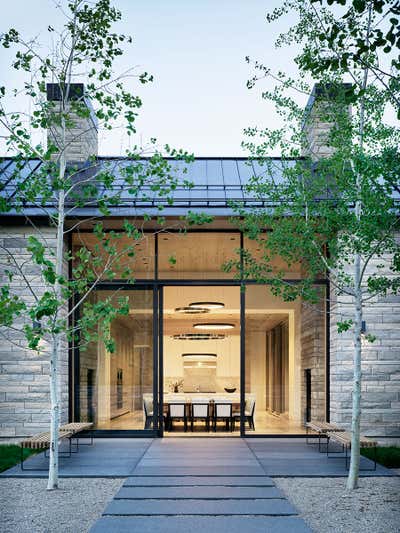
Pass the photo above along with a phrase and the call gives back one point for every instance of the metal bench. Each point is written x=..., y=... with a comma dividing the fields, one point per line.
x=321, y=428
x=41, y=441
x=344, y=438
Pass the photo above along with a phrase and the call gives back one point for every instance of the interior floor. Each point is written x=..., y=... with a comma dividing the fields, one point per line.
x=265, y=424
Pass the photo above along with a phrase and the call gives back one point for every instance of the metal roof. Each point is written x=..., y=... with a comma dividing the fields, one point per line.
x=215, y=183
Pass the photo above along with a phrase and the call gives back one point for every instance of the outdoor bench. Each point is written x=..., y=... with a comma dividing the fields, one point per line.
x=321, y=428
x=344, y=438
x=77, y=427
x=41, y=441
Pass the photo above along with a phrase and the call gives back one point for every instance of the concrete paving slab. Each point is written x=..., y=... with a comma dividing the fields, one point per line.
x=294, y=458
x=266, y=507
x=203, y=493
x=197, y=471
x=213, y=524
x=185, y=481
x=106, y=458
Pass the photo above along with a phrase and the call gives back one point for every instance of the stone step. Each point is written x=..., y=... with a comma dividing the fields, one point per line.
x=201, y=493
x=187, y=481
x=212, y=524
x=266, y=507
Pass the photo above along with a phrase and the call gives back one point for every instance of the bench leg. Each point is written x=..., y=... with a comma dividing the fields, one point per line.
x=371, y=469
x=89, y=437
x=333, y=453
x=62, y=454
x=33, y=469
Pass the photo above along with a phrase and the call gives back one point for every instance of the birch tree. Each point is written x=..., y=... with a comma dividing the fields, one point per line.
x=335, y=211
x=34, y=308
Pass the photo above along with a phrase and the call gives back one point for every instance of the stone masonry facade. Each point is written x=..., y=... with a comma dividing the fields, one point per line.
x=313, y=356
x=380, y=383
x=24, y=374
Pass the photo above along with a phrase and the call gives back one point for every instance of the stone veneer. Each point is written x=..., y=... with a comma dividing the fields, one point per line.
x=24, y=374
x=380, y=384
x=81, y=136
x=313, y=356
x=381, y=359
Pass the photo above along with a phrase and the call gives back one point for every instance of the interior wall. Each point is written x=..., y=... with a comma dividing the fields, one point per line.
x=228, y=359
x=122, y=360
x=259, y=299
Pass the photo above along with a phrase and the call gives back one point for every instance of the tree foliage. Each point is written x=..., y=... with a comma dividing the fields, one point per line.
x=332, y=203
x=38, y=299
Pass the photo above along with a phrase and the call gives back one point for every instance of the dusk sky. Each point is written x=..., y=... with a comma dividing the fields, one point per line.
x=196, y=51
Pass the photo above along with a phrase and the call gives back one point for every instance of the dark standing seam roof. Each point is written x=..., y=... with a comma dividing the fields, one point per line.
x=216, y=183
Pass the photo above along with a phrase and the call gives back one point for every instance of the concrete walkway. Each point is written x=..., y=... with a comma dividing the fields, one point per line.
x=277, y=457
x=192, y=484
x=175, y=485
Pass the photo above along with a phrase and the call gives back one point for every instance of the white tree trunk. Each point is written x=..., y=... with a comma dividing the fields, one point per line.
x=54, y=415
x=55, y=356
x=352, y=480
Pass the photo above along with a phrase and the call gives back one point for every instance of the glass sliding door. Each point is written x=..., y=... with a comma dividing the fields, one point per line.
x=284, y=364
x=115, y=388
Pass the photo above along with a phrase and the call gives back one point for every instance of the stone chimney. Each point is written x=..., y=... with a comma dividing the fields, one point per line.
x=316, y=123
x=81, y=135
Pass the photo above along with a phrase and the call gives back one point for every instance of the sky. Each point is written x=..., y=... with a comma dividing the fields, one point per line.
x=196, y=51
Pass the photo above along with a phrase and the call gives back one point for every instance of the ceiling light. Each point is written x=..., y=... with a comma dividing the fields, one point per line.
x=214, y=325
x=197, y=356
x=191, y=310
x=208, y=305
x=198, y=336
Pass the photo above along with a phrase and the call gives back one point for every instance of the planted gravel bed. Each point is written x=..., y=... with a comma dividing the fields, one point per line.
x=27, y=507
x=326, y=506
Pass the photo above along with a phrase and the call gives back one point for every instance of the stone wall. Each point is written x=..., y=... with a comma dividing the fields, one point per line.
x=81, y=140
x=24, y=374
x=380, y=367
x=313, y=356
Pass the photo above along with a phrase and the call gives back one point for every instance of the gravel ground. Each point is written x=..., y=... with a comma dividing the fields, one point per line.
x=27, y=507
x=327, y=507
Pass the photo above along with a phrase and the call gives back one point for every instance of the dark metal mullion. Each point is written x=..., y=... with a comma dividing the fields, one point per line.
x=242, y=359
x=189, y=282
x=155, y=273
x=241, y=255
x=327, y=352
x=161, y=361
x=155, y=358
x=76, y=370
x=70, y=342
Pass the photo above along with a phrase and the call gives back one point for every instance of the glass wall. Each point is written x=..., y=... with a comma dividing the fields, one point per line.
x=284, y=362
x=198, y=255
x=142, y=263
x=116, y=389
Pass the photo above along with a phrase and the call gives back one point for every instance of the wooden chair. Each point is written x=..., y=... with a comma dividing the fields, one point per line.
x=223, y=411
x=148, y=413
x=200, y=411
x=176, y=411
x=249, y=410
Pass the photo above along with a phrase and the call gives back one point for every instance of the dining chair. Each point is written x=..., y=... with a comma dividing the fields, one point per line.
x=223, y=411
x=249, y=408
x=200, y=411
x=148, y=413
x=176, y=411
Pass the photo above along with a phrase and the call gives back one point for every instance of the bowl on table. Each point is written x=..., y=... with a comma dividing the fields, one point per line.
x=230, y=390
